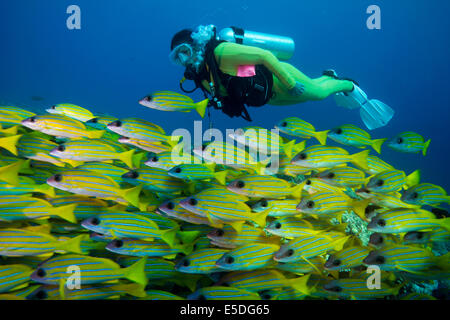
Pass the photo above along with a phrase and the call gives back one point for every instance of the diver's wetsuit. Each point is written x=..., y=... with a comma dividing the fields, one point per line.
x=230, y=56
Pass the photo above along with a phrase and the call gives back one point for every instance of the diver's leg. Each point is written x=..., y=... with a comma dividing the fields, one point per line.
x=315, y=89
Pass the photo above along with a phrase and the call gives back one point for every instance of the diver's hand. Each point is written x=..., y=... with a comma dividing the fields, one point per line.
x=297, y=90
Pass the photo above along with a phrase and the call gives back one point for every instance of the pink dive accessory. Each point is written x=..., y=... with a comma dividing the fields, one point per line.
x=246, y=71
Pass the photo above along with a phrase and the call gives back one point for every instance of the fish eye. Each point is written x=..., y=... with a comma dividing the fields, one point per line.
x=277, y=225
x=61, y=148
x=177, y=170
x=337, y=262
x=310, y=204
x=53, y=107
x=229, y=260
x=41, y=295
x=95, y=221
x=57, y=177
x=118, y=243
x=370, y=209
x=290, y=253
x=41, y=273
x=284, y=124
x=420, y=235
x=186, y=263
x=266, y=296
x=201, y=297
x=399, y=140
x=170, y=205
x=32, y=119
x=338, y=131
x=220, y=232
x=193, y=201
x=148, y=98
x=380, y=259
x=379, y=183
x=381, y=222
x=116, y=123
x=376, y=238
x=264, y=203
x=154, y=159
x=240, y=184
x=93, y=120
x=335, y=289
x=302, y=156
x=414, y=195
x=133, y=174
x=308, y=182
x=331, y=175
x=204, y=147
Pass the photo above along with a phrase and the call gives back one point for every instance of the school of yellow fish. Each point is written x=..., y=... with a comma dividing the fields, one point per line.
x=95, y=207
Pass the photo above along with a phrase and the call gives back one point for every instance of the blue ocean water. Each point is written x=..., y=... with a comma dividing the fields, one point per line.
x=121, y=54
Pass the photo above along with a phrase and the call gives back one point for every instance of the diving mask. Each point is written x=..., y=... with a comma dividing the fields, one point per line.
x=181, y=54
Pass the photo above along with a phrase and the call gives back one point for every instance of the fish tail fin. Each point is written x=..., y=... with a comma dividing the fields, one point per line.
x=359, y=207
x=187, y=236
x=447, y=199
x=321, y=136
x=65, y=212
x=173, y=140
x=26, y=167
x=360, y=159
x=299, y=147
x=444, y=223
x=10, y=173
x=132, y=195
x=287, y=148
x=201, y=107
x=96, y=134
x=260, y=217
x=73, y=163
x=127, y=158
x=221, y=176
x=339, y=243
x=413, y=178
x=187, y=248
x=425, y=147
x=377, y=143
x=45, y=189
x=169, y=236
x=9, y=143
x=261, y=166
x=237, y=225
x=137, y=159
x=297, y=190
x=136, y=272
x=10, y=131
x=443, y=262
x=74, y=244
x=301, y=284
x=133, y=289
x=189, y=282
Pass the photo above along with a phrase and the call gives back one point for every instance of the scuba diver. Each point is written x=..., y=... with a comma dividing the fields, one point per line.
x=238, y=68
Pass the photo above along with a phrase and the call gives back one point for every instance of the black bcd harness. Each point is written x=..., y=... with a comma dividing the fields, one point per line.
x=252, y=91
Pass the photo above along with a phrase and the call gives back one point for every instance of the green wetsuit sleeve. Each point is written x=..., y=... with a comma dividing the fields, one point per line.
x=231, y=55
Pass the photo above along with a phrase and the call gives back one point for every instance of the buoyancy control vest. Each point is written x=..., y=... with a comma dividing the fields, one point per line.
x=241, y=91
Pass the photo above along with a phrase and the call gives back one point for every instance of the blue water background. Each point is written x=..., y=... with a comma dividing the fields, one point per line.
x=121, y=54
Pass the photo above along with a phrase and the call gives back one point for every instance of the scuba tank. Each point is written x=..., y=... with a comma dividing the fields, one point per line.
x=282, y=47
